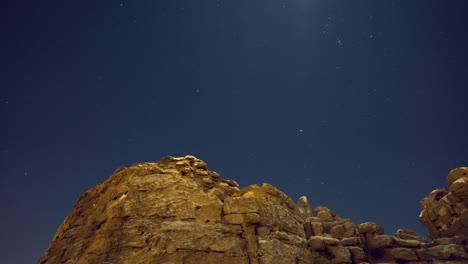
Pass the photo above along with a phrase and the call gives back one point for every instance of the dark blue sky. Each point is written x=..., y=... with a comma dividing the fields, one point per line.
x=359, y=105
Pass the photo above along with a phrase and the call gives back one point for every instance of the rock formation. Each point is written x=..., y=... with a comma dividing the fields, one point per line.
x=445, y=213
x=177, y=211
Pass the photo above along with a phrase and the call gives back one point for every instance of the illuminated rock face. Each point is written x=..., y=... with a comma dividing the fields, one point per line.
x=445, y=213
x=177, y=211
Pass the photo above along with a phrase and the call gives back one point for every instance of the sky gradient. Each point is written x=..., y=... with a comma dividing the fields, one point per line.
x=359, y=105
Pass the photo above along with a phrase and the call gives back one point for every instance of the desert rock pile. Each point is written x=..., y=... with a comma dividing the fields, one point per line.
x=445, y=213
x=177, y=211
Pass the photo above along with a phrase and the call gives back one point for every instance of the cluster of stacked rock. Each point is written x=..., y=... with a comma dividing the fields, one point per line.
x=445, y=214
x=177, y=211
x=343, y=242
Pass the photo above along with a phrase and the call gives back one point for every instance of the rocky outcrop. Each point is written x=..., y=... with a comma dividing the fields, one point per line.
x=445, y=214
x=177, y=211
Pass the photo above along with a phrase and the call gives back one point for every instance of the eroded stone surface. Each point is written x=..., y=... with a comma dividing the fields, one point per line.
x=445, y=213
x=177, y=211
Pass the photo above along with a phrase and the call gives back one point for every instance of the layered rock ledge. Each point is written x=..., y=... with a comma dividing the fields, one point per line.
x=177, y=211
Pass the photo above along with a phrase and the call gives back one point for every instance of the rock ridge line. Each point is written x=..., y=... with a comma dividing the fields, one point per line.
x=178, y=211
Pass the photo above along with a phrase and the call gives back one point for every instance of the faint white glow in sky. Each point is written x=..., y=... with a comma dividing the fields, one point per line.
x=339, y=41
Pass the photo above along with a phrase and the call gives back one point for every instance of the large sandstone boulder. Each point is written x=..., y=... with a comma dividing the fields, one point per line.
x=445, y=213
x=177, y=211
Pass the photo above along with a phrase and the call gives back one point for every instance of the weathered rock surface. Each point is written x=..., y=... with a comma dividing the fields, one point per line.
x=177, y=211
x=445, y=213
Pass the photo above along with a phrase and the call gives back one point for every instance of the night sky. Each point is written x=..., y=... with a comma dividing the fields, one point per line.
x=359, y=105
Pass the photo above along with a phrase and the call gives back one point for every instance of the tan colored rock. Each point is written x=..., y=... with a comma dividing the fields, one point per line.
x=325, y=214
x=177, y=211
x=239, y=219
x=275, y=208
x=409, y=235
x=154, y=209
x=303, y=207
x=275, y=250
x=340, y=254
x=407, y=242
x=460, y=187
x=236, y=219
x=403, y=254
x=316, y=243
x=263, y=231
x=350, y=228
x=456, y=174
x=240, y=205
x=308, y=229
x=457, y=240
x=445, y=213
x=349, y=241
x=317, y=228
x=329, y=241
x=379, y=241
x=371, y=228
x=423, y=254
x=251, y=242
x=357, y=254
x=446, y=252
x=338, y=231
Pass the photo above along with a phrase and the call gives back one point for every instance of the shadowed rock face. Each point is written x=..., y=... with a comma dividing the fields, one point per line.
x=177, y=211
